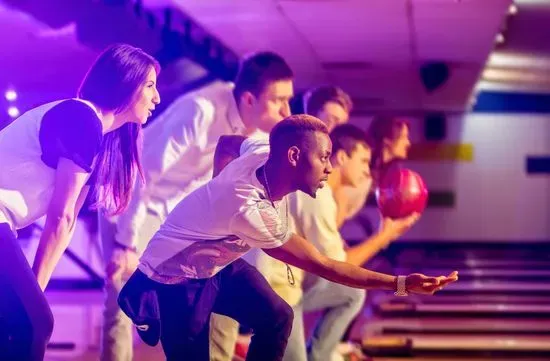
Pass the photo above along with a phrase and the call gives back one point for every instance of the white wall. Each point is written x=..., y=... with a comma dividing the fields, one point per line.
x=495, y=198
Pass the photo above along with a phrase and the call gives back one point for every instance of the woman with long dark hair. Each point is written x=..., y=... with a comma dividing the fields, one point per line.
x=388, y=138
x=51, y=157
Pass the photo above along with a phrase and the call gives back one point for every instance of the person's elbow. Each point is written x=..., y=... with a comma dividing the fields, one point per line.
x=61, y=224
x=321, y=264
x=65, y=221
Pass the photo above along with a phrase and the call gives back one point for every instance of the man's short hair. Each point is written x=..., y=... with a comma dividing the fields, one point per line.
x=295, y=130
x=257, y=70
x=315, y=99
x=346, y=137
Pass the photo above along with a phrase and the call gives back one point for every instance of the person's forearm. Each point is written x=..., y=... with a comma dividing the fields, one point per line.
x=353, y=276
x=362, y=253
x=53, y=242
x=298, y=252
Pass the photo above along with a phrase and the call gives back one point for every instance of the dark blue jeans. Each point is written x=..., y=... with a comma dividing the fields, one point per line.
x=238, y=291
x=26, y=321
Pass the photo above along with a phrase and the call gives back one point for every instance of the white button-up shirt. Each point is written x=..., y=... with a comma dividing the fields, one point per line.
x=178, y=153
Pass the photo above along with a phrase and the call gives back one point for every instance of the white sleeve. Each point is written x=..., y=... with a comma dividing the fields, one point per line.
x=260, y=226
x=256, y=144
x=183, y=123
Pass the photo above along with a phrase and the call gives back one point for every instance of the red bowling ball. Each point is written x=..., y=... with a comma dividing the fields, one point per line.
x=400, y=193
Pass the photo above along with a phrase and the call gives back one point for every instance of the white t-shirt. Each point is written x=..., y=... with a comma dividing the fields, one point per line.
x=30, y=148
x=217, y=224
x=257, y=142
x=313, y=219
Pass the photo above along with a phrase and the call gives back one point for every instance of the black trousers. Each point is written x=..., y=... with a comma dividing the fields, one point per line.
x=238, y=291
x=26, y=320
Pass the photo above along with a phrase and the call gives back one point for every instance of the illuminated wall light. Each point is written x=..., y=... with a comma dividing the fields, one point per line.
x=512, y=75
x=13, y=112
x=500, y=38
x=517, y=60
x=513, y=9
x=10, y=95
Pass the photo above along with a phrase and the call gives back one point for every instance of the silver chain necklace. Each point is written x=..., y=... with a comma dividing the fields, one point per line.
x=289, y=274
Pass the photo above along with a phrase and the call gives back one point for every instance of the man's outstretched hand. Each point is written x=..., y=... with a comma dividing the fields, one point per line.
x=424, y=285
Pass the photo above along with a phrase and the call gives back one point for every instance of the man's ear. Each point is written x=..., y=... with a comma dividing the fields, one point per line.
x=293, y=155
x=247, y=99
x=340, y=157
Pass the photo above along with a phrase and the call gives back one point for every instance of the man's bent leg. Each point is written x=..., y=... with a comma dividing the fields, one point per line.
x=246, y=296
x=180, y=306
x=342, y=304
x=223, y=336
x=116, y=332
x=296, y=346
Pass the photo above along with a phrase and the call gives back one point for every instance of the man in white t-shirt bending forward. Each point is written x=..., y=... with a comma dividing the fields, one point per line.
x=192, y=265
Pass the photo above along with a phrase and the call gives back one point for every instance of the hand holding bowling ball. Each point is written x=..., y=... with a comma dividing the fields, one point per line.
x=401, y=193
x=395, y=228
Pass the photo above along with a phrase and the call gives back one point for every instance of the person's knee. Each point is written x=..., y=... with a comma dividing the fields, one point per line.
x=43, y=325
x=358, y=296
x=283, y=316
x=276, y=318
x=39, y=332
x=355, y=299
